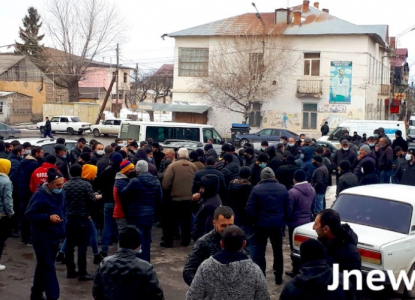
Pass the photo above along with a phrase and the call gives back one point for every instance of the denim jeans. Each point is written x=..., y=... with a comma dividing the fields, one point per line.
x=385, y=176
x=319, y=203
x=108, y=226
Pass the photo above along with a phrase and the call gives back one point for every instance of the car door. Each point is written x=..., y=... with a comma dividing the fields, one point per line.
x=107, y=127
x=264, y=135
x=63, y=124
x=54, y=123
x=275, y=135
x=3, y=131
x=116, y=127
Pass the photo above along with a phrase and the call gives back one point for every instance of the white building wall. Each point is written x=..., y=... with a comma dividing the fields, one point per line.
x=285, y=109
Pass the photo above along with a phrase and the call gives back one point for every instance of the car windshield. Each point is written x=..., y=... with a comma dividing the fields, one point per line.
x=375, y=212
x=75, y=119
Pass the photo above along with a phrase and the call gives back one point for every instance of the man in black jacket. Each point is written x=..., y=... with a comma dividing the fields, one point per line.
x=16, y=158
x=347, y=179
x=48, y=129
x=124, y=276
x=320, y=181
x=209, y=244
x=314, y=277
x=79, y=198
x=345, y=153
x=209, y=169
x=104, y=161
x=209, y=200
x=339, y=240
x=406, y=171
x=61, y=160
x=399, y=141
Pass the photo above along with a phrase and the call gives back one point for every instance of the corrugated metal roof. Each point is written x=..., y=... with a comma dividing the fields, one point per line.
x=9, y=60
x=315, y=22
x=4, y=94
x=199, y=109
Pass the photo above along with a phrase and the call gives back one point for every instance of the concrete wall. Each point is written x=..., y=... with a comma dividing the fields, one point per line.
x=285, y=109
x=87, y=112
x=17, y=108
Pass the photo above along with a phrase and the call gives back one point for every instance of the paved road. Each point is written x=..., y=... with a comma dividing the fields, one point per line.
x=16, y=280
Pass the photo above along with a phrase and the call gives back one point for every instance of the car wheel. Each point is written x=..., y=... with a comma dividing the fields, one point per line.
x=53, y=131
x=105, y=134
x=96, y=133
x=42, y=129
x=243, y=142
x=70, y=131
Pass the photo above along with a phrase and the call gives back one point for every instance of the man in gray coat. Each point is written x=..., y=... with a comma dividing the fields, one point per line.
x=219, y=277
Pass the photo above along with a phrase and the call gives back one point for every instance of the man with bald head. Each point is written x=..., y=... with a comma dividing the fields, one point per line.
x=384, y=154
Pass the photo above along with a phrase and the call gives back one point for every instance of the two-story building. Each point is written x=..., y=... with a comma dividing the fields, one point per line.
x=342, y=70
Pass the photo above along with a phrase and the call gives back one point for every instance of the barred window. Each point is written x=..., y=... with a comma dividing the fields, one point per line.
x=193, y=62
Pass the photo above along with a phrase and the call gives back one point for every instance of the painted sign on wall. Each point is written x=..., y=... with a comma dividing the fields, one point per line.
x=340, y=82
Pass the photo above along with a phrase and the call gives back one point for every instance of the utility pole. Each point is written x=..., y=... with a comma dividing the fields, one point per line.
x=136, y=87
x=117, y=112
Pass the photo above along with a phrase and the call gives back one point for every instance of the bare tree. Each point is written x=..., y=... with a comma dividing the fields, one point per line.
x=81, y=29
x=246, y=69
x=153, y=84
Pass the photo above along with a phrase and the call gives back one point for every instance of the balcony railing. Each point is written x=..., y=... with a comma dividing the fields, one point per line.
x=384, y=89
x=309, y=88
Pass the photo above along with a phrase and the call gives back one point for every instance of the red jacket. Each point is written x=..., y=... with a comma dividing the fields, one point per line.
x=40, y=176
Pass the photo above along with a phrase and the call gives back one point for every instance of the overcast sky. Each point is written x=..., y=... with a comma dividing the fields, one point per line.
x=146, y=21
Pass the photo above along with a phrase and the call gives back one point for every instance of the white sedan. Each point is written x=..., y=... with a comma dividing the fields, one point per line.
x=382, y=217
x=109, y=126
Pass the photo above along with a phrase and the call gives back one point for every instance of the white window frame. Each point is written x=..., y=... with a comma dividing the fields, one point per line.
x=310, y=61
x=310, y=113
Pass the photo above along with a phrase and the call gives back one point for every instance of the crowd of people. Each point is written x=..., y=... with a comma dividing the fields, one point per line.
x=229, y=203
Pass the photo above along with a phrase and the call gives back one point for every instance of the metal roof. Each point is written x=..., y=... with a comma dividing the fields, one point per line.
x=314, y=22
x=4, y=94
x=199, y=109
x=9, y=60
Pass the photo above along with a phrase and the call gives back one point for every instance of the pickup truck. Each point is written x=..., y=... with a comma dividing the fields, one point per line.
x=69, y=124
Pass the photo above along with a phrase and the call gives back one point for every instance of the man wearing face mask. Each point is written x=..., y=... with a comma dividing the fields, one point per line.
x=300, y=140
x=27, y=147
x=371, y=143
x=260, y=164
x=61, y=161
x=384, y=154
x=292, y=147
x=406, y=172
x=98, y=154
x=132, y=151
x=345, y=153
x=399, y=159
x=249, y=157
x=46, y=212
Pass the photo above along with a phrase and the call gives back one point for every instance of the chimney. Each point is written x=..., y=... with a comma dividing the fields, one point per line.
x=282, y=16
x=325, y=10
x=316, y=4
x=297, y=17
x=306, y=6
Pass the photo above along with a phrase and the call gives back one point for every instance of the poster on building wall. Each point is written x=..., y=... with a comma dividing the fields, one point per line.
x=340, y=82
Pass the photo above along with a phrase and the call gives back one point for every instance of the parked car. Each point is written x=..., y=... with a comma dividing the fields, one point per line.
x=382, y=217
x=8, y=132
x=411, y=136
x=266, y=134
x=109, y=126
x=69, y=124
x=47, y=144
x=189, y=145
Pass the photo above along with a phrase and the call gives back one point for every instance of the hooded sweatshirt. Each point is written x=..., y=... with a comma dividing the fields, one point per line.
x=230, y=276
x=302, y=197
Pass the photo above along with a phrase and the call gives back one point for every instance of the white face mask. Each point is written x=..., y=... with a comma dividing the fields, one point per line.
x=345, y=149
x=408, y=156
x=361, y=169
x=100, y=152
x=27, y=152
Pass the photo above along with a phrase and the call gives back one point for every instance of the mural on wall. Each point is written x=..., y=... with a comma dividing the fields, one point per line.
x=340, y=82
x=281, y=120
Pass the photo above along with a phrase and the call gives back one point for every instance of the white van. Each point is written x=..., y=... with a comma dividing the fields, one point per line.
x=162, y=131
x=412, y=122
x=364, y=126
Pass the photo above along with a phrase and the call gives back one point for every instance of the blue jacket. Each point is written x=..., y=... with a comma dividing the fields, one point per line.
x=16, y=168
x=42, y=205
x=139, y=197
x=268, y=205
x=29, y=165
